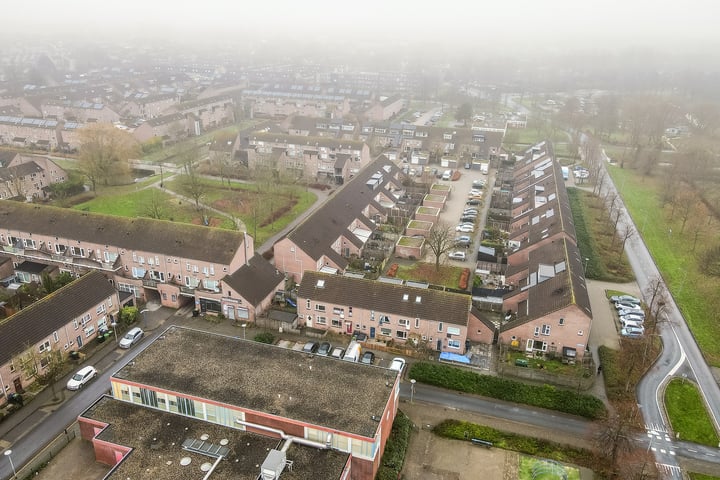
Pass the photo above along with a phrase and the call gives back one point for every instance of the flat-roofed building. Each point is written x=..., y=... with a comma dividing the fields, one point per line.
x=272, y=391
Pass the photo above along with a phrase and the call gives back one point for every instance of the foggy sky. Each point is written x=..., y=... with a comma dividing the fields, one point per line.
x=519, y=24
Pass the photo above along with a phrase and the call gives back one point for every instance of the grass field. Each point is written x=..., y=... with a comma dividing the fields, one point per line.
x=448, y=276
x=695, y=293
x=687, y=413
x=532, y=468
x=700, y=476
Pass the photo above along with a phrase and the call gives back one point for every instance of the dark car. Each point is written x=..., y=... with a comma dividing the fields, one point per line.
x=368, y=358
x=310, y=347
x=324, y=349
x=468, y=218
x=473, y=202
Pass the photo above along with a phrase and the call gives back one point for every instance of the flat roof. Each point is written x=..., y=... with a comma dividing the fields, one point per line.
x=156, y=438
x=321, y=391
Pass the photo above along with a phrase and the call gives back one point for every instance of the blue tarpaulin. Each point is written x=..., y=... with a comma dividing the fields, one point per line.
x=454, y=357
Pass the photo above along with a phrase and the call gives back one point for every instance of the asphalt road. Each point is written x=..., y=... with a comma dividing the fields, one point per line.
x=680, y=357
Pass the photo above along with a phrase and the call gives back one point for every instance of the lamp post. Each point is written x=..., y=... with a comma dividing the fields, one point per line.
x=412, y=389
x=243, y=327
x=142, y=312
x=585, y=265
x=114, y=327
x=7, y=453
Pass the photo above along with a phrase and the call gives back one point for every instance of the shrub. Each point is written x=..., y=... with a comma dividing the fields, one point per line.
x=265, y=337
x=544, y=396
x=395, y=448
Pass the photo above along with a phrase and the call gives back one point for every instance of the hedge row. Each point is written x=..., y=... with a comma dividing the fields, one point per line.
x=460, y=430
x=544, y=396
x=395, y=448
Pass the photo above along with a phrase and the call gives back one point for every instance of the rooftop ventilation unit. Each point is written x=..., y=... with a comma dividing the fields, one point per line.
x=273, y=465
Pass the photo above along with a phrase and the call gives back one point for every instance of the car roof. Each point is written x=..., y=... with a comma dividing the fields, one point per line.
x=86, y=369
x=134, y=330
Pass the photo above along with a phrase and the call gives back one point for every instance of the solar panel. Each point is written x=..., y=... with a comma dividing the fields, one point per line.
x=205, y=448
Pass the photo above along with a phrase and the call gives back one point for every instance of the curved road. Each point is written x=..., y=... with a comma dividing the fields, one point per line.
x=680, y=357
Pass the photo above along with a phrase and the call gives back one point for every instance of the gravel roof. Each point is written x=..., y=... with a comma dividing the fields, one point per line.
x=317, y=390
x=156, y=438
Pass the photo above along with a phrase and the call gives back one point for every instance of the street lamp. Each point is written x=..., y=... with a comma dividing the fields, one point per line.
x=114, y=327
x=585, y=265
x=412, y=389
x=7, y=453
x=243, y=327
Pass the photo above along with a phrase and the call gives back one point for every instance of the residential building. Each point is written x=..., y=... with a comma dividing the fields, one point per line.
x=342, y=226
x=174, y=263
x=28, y=177
x=339, y=407
x=549, y=308
x=79, y=111
x=250, y=289
x=383, y=310
x=65, y=320
x=385, y=109
x=47, y=134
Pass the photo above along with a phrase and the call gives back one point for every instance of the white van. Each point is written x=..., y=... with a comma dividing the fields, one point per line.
x=352, y=354
x=447, y=174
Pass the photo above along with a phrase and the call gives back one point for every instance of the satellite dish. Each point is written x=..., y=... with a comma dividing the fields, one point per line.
x=205, y=467
x=204, y=437
x=224, y=442
x=185, y=461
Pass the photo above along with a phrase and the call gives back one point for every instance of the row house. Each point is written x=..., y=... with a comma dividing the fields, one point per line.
x=22, y=106
x=38, y=133
x=289, y=397
x=387, y=311
x=147, y=106
x=28, y=177
x=176, y=264
x=65, y=320
x=173, y=126
x=341, y=227
x=281, y=104
x=314, y=127
x=548, y=305
x=79, y=111
x=384, y=109
x=208, y=114
x=305, y=157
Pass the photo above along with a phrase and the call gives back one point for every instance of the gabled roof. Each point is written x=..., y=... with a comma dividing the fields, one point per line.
x=332, y=219
x=145, y=234
x=255, y=280
x=302, y=141
x=166, y=119
x=36, y=322
x=386, y=298
x=19, y=171
x=6, y=157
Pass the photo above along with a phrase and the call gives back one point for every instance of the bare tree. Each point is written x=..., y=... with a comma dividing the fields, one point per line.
x=440, y=239
x=190, y=182
x=104, y=153
x=627, y=233
x=615, y=436
x=52, y=371
x=686, y=203
x=155, y=206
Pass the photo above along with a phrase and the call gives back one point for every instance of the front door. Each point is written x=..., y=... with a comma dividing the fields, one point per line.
x=17, y=384
x=78, y=339
x=348, y=327
x=231, y=312
x=372, y=332
x=439, y=345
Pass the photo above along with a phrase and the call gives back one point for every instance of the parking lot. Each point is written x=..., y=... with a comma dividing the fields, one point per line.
x=380, y=359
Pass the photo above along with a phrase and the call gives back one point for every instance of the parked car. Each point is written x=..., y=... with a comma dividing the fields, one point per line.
x=627, y=305
x=470, y=210
x=473, y=201
x=465, y=228
x=397, y=364
x=133, y=336
x=631, y=323
x=462, y=241
x=457, y=256
x=478, y=183
x=368, y=358
x=83, y=376
x=632, y=332
x=337, y=352
x=324, y=349
x=310, y=347
x=625, y=298
x=634, y=313
x=635, y=318
x=468, y=219
x=475, y=191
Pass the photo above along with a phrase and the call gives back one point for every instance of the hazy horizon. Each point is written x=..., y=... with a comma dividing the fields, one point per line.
x=549, y=27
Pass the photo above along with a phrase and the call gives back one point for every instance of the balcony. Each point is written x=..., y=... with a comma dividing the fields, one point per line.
x=150, y=283
x=187, y=291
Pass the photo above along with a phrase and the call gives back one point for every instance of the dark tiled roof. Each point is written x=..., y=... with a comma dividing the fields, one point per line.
x=6, y=157
x=36, y=322
x=332, y=219
x=19, y=171
x=480, y=315
x=256, y=280
x=31, y=267
x=278, y=381
x=306, y=141
x=157, y=236
x=166, y=119
x=386, y=297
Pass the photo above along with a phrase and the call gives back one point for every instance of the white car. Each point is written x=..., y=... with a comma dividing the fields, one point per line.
x=131, y=337
x=457, y=256
x=634, y=318
x=82, y=376
x=632, y=332
x=474, y=192
x=632, y=323
x=397, y=364
x=465, y=228
x=625, y=298
x=631, y=311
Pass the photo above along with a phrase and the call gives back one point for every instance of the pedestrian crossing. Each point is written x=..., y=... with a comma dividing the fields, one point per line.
x=672, y=470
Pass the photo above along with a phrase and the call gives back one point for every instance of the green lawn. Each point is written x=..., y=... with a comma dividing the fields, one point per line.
x=700, y=476
x=695, y=293
x=448, y=275
x=687, y=413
